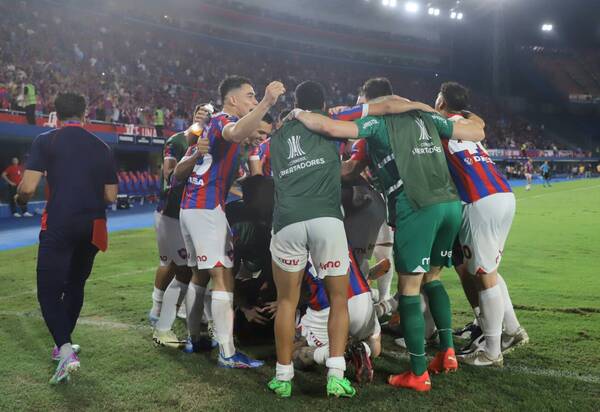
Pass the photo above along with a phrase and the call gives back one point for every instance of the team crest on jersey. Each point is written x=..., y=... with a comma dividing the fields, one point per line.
x=295, y=148
x=424, y=136
x=200, y=170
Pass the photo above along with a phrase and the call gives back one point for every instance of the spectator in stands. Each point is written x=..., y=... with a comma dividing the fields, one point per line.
x=13, y=175
x=28, y=100
x=159, y=121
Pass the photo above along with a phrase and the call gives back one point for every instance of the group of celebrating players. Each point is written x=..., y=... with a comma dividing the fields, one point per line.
x=418, y=191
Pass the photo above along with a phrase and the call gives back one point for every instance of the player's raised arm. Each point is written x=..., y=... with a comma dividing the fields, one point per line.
x=396, y=105
x=325, y=126
x=471, y=129
x=238, y=131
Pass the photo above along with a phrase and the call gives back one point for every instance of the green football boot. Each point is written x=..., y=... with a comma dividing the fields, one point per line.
x=283, y=389
x=340, y=388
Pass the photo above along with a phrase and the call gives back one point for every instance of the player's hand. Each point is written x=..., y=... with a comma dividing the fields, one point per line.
x=18, y=201
x=272, y=92
x=270, y=308
x=202, y=147
x=253, y=315
x=293, y=114
x=13, y=184
x=335, y=110
x=255, y=139
x=202, y=116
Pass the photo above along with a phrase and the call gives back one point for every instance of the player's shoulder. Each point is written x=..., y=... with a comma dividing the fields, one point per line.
x=222, y=118
x=435, y=116
x=176, y=138
x=370, y=121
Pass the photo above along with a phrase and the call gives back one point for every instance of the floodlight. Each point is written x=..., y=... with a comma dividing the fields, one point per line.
x=459, y=16
x=436, y=12
x=547, y=27
x=430, y=11
x=453, y=15
x=411, y=7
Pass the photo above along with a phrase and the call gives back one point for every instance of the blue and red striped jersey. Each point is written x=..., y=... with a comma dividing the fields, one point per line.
x=262, y=152
x=318, y=297
x=359, y=151
x=350, y=114
x=473, y=171
x=208, y=185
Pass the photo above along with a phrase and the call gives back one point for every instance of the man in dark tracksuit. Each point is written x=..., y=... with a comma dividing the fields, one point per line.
x=82, y=179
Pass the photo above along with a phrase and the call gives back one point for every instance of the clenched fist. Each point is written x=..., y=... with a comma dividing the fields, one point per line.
x=272, y=92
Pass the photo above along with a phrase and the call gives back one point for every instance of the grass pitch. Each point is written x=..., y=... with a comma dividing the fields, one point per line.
x=551, y=266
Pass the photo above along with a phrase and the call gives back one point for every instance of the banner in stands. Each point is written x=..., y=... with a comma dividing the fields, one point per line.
x=14, y=124
x=535, y=153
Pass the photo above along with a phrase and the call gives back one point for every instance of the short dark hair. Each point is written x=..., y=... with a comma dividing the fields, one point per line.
x=456, y=96
x=267, y=118
x=377, y=87
x=69, y=105
x=310, y=95
x=231, y=83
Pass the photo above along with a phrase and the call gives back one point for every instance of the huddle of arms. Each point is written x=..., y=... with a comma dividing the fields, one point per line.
x=470, y=128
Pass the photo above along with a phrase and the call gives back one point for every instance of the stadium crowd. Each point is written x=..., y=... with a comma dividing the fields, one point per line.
x=129, y=67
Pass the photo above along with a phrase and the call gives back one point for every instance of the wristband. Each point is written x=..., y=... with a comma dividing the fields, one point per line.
x=365, y=110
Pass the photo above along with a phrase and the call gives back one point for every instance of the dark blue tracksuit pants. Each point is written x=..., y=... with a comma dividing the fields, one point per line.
x=65, y=259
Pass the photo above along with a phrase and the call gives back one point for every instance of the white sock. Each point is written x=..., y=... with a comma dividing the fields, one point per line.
x=430, y=327
x=207, y=306
x=492, y=312
x=510, y=321
x=384, y=283
x=367, y=348
x=337, y=366
x=321, y=354
x=222, y=311
x=284, y=372
x=157, y=299
x=169, y=306
x=181, y=297
x=66, y=350
x=194, y=305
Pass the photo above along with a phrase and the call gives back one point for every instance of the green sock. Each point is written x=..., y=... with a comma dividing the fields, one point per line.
x=439, y=304
x=413, y=329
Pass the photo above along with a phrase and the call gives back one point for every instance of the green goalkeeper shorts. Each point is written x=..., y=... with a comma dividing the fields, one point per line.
x=424, y=237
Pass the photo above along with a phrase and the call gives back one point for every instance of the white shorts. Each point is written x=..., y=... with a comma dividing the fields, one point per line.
x=207, y=238
x=171, y=247
x=362, y=229
x=385, y=235
x=363, y=322
x=323, y=237
x=484, y=230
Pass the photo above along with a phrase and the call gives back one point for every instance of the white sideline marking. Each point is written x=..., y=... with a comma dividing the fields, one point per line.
x=398, y=355
x=106, y=324
x=552, y=373
x=558, y=192
x=91, y=279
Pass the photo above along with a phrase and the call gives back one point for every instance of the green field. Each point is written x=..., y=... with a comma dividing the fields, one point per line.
x=551, y=265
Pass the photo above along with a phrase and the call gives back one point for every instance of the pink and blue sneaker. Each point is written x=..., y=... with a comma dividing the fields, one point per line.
x=65, y=368
x=239, y=361
x=56, y=352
